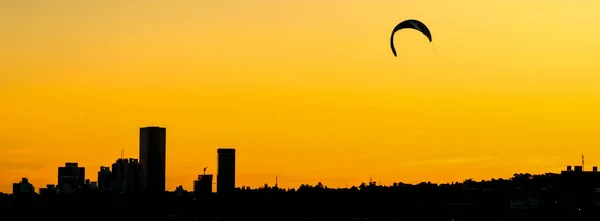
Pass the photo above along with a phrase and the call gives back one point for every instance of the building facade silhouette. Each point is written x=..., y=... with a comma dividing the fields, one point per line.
x=153, y=159
x=226, y=170
x=203, y=186
x=104, y=176
x=71, y=177
x=126, y=176
x=23, y=188
x=49, y=190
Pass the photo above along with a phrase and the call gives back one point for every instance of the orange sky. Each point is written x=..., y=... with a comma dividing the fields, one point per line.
x=305, y=90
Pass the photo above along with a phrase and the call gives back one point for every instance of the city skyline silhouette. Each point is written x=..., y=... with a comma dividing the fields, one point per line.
x=147, y=172
x=572, y=194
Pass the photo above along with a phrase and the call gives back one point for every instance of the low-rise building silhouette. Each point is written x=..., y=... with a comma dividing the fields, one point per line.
x=126, y=176
x=49, y=190
x=23, y=188
x=203, y=186
x=71, y=177
x=578, y=180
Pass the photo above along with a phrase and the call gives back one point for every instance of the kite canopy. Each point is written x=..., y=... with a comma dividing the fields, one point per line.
x=412, y=24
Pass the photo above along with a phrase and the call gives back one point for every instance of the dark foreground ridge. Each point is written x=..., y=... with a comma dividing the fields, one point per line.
x=566, y=196
x=134, y=189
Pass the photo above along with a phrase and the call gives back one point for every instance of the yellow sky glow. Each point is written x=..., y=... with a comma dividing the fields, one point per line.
x=305, y=90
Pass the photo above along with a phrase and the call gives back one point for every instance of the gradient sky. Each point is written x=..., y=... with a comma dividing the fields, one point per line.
x=305, y=90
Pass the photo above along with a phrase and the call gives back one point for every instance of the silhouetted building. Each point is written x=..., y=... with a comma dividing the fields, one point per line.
x=152, y=158
x=71, y=177
x=23, y=188
x=126, y=176
x=203, y=186
x=49, y=190
x=104, y=178
x=226, y=170
x=579, y=181
x=93, y=185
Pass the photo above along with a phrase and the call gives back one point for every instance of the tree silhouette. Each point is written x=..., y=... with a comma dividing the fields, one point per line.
x=550, y=196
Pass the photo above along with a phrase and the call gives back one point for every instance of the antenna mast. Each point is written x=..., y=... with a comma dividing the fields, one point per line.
x=581, y=161
x=205, y=170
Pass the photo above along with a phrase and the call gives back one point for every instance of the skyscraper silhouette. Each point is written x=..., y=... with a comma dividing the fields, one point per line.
x=226, y=170
x=153, y=159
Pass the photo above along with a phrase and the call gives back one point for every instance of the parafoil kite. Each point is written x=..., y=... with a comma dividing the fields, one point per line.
x=412, y=24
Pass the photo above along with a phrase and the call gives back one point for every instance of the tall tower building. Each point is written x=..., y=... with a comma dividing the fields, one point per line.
x=153, y=158
x=226, y=170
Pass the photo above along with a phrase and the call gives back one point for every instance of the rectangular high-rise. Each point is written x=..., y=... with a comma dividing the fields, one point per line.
x=153, y=142
x=226, y=170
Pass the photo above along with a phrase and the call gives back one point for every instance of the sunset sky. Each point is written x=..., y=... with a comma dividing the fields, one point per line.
x=305, y=90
